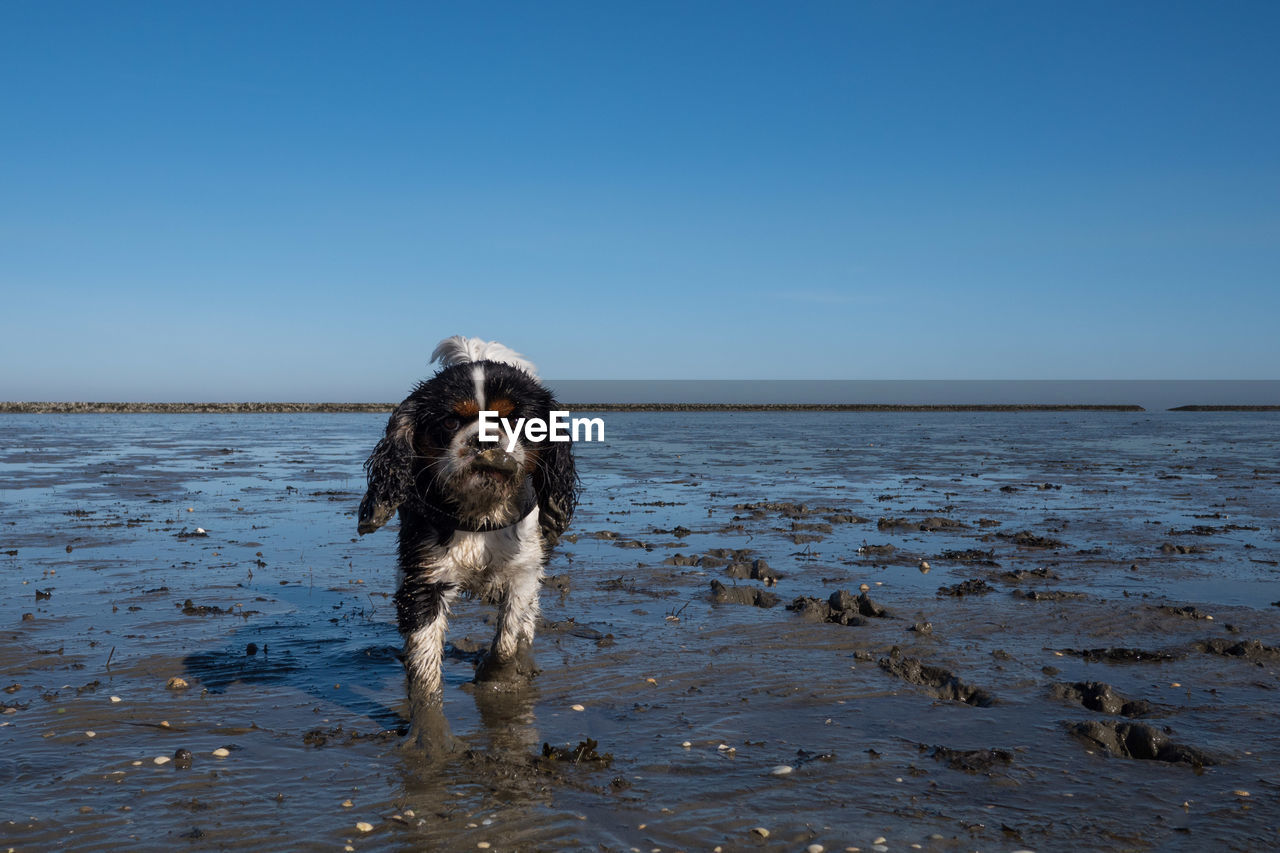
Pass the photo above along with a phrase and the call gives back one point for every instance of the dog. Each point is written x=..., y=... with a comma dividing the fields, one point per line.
x=478, y=518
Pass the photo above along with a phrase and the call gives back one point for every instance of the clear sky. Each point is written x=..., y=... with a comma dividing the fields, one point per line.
x=266, y=200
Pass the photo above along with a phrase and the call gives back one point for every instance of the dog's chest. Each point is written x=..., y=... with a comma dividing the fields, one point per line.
x=479, y=562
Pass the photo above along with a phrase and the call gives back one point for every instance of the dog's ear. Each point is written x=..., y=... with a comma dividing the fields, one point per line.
x=555, y=482
x=390, y=471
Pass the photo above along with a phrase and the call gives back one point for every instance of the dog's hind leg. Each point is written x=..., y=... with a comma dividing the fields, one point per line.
x=510, y=658
x=422, y=608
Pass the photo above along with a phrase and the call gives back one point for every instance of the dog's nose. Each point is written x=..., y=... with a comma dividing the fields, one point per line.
x=496, y=459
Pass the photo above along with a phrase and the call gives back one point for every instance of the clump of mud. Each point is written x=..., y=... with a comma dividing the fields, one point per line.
x=842, y=608
x=1027, y=539
x=969, y=555
x=1048, y=595
x=1024, y=574
x=1138, y=740
x=1252, y=650
x=1119, y=654
x=1170, y=548
x=337, y=735
x=756, y=570
x=928, y=525
x=1187, y=611
x=1100, y=696
x=970, y=760
x=190, y=608
x=936, y=680
x=973, y=586
x=751, y=595
x=586, y=752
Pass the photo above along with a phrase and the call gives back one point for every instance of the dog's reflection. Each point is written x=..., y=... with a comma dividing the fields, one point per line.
x=507, y=721
x=494, y=779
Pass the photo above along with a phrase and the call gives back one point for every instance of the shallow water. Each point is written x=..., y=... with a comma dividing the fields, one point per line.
x=96, y=517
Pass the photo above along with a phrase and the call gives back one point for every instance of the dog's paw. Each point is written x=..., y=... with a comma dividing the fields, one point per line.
x=513, y=672
x=434, y=743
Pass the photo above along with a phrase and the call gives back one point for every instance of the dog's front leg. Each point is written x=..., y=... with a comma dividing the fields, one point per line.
x=422, y=608
x=510, y=658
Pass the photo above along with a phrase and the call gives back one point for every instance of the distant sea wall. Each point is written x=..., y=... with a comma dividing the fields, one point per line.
x=845, y=407
x=55, y=408
x=186, y=408
x=1152, y=395
x=1225, y=409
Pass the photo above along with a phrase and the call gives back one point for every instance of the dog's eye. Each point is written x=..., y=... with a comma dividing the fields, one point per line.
x=452, y=424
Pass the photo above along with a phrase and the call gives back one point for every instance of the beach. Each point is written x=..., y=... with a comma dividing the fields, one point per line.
x=962, y=630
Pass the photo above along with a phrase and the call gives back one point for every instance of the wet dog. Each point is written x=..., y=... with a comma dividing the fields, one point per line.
x=476, y=518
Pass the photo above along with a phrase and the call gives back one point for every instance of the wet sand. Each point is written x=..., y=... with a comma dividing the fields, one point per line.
x=1090, y=660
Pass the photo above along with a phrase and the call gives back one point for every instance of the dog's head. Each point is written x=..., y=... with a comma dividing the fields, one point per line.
x=432, y=454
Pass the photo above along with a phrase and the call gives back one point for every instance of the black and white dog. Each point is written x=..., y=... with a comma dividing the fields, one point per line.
x=475, y=517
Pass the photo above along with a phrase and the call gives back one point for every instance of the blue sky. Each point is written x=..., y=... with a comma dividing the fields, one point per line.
x=297, y=200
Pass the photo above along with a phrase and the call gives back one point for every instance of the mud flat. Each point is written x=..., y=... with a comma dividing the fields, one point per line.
x=198, y=652
x=294, y=408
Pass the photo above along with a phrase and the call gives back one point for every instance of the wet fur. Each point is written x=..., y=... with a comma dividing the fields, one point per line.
x=462, y=530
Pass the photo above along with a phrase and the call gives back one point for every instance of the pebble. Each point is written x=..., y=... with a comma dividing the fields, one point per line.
x=115, y=699
x=880, y=848
x=864, y=587
x=346, y=804
x=162, y=759
x=221, y=752
x=924, y=565
x=761, y=831
x=879, y=840
x=815, y=848
x=90, y=734
x=577, y=707
x=1240, y=792
x=177, y=683
x=364, y=826
x=781, y=770
x=483, y=845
